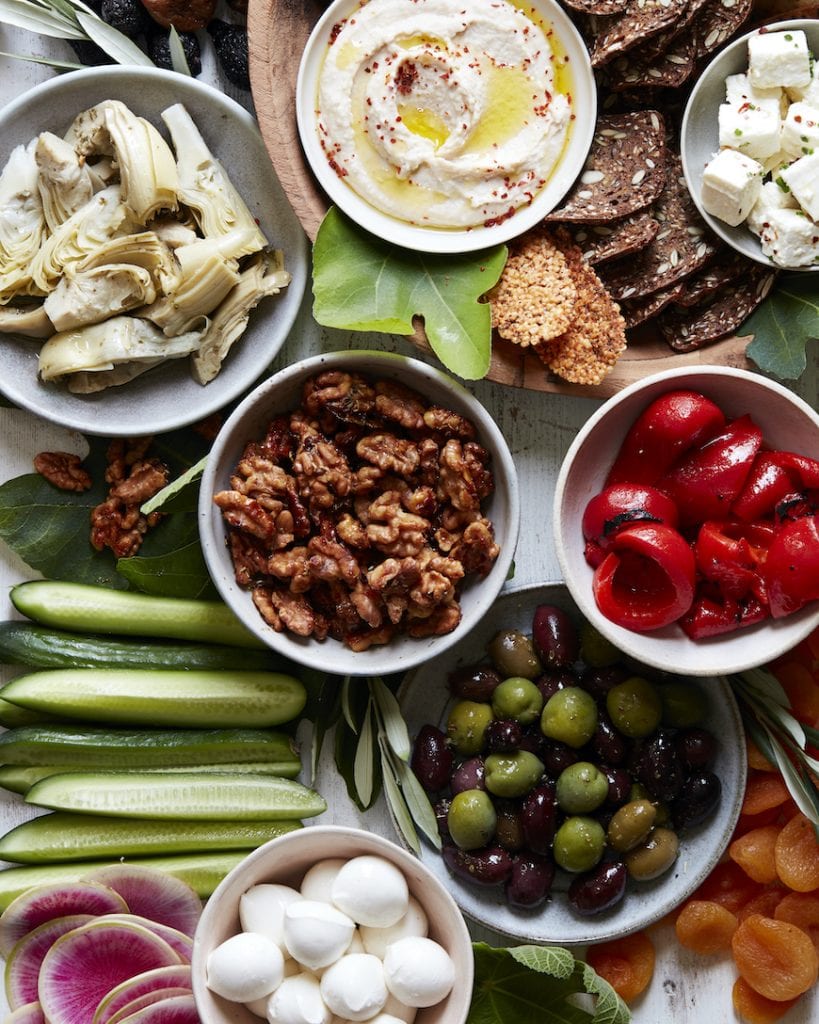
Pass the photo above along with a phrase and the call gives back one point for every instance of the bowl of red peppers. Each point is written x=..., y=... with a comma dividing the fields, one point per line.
x=687, y=520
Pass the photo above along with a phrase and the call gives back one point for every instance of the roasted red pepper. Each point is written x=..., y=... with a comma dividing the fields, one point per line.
x=669, y=427
x=619, y=506
x=713, y=614
x=767, y=484
x=791, y=570
x=729, y=554
x=646, y=580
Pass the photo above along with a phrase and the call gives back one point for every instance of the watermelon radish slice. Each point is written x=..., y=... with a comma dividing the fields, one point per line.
x=174, y=1010
x=31, y=1013
x=179, y=975
x=45, y=902
x=153, y=894
x=182, y=943
x=85, y=964
x=147, y=1000
x=23, y=964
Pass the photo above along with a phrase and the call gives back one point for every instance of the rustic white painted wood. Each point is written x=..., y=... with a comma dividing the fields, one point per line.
x=539, y=428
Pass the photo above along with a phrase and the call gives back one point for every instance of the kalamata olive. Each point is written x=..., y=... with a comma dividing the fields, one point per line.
x=659, y=768
x=696, y=748
x=474, y=682
x=599, y=889
x=511, y=775
x=684, y=704
x=513, y=654
x=607, y=744
x=598, y=681
x=504, y=735
x=469, y=774
x=595, y=649
x=556, y=756
x=538, y=817
x=555, y=679
x=432, y=759
x=509, y=829
x=654, y=856
x=472, y=819
x=555, y=636
x=619, y=782
x=532, y=739
x=491, y=866
x=466, y=726
x=530, y=881
x=441, y=808
x=697, y=799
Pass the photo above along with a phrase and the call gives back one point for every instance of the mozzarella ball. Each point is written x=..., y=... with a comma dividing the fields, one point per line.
x=245, y=967
x=357, y=945
x=372, y=891
x=318, y=882
x=316, y=934
x=298, y=1001
x=259, y=1006
x=418, y=971
x=395, y=1008
x=261, y=909
x=353, y=987
x=414, y=922
x=385, y=1018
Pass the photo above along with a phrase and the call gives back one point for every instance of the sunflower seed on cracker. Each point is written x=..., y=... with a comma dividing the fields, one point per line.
x=726, y=267
x=717, y=22
x=601, y=242
x=637, y=311
x=668, y=70
x=640, y=20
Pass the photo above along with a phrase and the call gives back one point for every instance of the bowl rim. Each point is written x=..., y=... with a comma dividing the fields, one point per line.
x=376, y=660
x=740, y=238
x=754, y=654
x=390, y=228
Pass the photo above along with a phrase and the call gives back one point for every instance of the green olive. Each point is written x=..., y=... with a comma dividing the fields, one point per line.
x=634, y=707
x=654, y=856
x=513, y=654
x=570, y=715
x=639, y=792
x=684, y=704
x=466, y=726
x=595, y=649
x=581, y=788
x=471, y=819
x=517, y=698
x=631, y=824
x=579, y=843
x=511, y=775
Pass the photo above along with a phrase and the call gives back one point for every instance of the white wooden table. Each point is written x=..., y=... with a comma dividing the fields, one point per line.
x=539, y=428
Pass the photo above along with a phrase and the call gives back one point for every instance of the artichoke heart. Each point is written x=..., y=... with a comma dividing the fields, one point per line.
x=64, y=182
x=103, y=172
x=204, y=184
x=264, y=275
x=122, y=339
x=86, y=382
x=88, y=132
x=30, y=321
x=94, y=295
x=142, y=249
x=147, y=169
x=22, y=223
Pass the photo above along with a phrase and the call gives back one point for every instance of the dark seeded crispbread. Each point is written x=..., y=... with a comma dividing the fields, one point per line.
x=726, y=267
x=717, y=22
x=598, y=7
x=659, y=43
x=637, y=311
x=624, y=172
x=667, y=70
x=601, y=242
x=639, y=21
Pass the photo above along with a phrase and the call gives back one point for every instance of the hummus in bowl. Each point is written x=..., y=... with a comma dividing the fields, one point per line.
x=445, y=127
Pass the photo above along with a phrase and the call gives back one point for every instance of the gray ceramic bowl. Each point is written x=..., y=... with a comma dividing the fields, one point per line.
x=168, y=396
x=699, y=136
x=282, y=393
x=425, y=698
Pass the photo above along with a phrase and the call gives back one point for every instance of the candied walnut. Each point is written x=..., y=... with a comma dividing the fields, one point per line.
x=279, y=442
x=258, y=476
x=399, y=404
x=352, y=532
x=334, y=600
x=347, y=397
x=117, y=526
x=392, y=580
x=476, y=548
x=428, y=465
x=63, y=470
x=442, y=621
x=465, y=479
x=330, y=560
x=247, y=515
x=366, y=479
x=284, y=610
x=366, y=602
x=322, y=474
x=392, y=530
x=391, y=454
x=448, y=423
x=143, y=481
x=439, y=577
x=249, y=558
x=291, y=565
x=372, y=638
x=122, y=454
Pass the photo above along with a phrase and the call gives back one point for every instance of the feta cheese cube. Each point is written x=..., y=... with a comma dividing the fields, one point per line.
x=800, y=92
x=771, y=197
x=790, y=238
x=778, y=58
x=800, y=130
x=738, y=90
x=731, y=184
x=802, y=178
x=752, y=130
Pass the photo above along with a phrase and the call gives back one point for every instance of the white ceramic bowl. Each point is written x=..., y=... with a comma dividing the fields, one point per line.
x=425, y=698
x=281, y=393
x=285, y=861
x=425, y=239
x=168, y=396
x=787, y=423
x=699, y=135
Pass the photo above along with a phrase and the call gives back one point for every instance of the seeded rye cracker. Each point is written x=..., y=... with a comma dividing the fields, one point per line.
x=600, y=7
x=625, y=170
x=669, y=69
x=718, y=21
x=726, y=267
x=637, y=311
x=601, y=242
x=639, y=21
x=655, y=45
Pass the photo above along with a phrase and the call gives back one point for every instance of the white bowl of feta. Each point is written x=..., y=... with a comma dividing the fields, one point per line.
x=750, y=144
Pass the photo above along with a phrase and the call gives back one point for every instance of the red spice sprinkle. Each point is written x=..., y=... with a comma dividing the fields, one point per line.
x=335, y=30
x=406, y=76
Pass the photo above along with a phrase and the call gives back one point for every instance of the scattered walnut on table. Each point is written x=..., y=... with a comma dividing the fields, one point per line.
x=63, y=470
x=117, y=522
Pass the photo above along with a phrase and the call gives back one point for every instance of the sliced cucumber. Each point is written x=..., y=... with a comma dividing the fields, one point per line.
x=162, y=698
x=61, y=837
x=90, y=609
x=12, y=716
x=203, y=872
x=184, y=795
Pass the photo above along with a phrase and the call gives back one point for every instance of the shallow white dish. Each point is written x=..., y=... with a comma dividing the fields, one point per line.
x=425, y=698
x=699, y=135
x=166, y=397
x=425, y=239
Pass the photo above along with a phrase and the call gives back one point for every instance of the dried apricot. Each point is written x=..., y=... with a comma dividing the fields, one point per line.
x=762, y=792
x=729, y=886
x=776, y=958
x=754, y=852
x=627, y=963
x=801, y=909
x=757, y=760
x=705, y=926
x=797, y=854
x=756, y=1008
x=802, y=690
x=764, y=903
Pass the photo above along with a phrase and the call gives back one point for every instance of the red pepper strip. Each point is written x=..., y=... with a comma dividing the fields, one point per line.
x=728, y=558
x=767, y=484
x=796, y=505
x=671, y=425
x=713, y=616
x=646, y=581
x=619, y=506
x=706, y=483
x=804, y=469
x=791, y=570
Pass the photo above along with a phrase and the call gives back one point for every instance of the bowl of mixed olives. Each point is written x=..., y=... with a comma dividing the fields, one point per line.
x=579, y=795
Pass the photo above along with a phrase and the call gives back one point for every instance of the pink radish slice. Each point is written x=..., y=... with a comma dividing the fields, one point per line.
x=179, y=975
x=175, y=1010
x=147, y=1000
x=182, y=943
x=23, y=964
x=84, y=965
x=153, y=894
x=45, y=902
x=31, y=1013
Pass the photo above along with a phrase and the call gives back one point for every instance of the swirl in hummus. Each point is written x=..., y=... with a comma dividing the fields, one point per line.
x=443, y=114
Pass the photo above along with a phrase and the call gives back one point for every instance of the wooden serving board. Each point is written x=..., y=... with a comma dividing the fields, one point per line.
x=278, y=31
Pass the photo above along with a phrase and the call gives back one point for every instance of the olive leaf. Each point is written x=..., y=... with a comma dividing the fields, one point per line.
x=362, y=283
x=783, y=325
x=363, y=765
x=179, y=61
